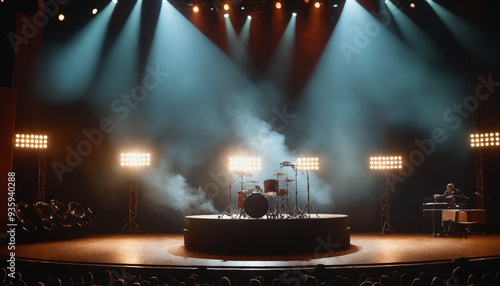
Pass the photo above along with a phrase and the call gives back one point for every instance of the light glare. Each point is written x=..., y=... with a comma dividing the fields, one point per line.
x=386, y=162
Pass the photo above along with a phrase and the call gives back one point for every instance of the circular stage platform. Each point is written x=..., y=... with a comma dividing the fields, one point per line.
x=328, y=232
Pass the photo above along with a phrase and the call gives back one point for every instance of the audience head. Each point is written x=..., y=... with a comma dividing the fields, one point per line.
x=404, y=280
x=362, y=278
x=224, y=281
x=254, y=282
x=417, y=282
x=310, y=281
x=386, y=280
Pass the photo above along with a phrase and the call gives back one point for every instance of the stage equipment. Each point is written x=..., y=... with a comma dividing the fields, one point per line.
x=240, y=166
x=308, y=164
x=35, y=141
x=385, y=163
x=478, y=141
x=296, y=212
x=256, y=205
x=133, y=162
x=271, y=187
x=459, y=222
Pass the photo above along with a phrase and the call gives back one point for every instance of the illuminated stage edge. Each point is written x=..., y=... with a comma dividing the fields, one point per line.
x=327, y=232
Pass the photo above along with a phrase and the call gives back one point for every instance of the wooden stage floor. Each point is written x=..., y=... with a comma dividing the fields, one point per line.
x=167, y=250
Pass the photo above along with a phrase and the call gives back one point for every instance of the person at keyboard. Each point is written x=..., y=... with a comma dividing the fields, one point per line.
x=450, y=192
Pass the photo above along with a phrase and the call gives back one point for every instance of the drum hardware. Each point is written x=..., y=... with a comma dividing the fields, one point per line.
x=278, y=174
x=253, y=182
x=296, y=212
x=309, y=207
x=231, y=210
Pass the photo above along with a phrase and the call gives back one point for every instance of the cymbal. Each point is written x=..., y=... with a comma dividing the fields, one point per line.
x=242, y=173
x=253, y=182
x=278, y=174
x=287, y=180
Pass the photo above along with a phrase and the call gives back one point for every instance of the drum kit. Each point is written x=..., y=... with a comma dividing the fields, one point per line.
x=254, y=202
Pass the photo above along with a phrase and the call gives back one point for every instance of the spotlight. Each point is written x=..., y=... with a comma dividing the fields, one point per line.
x=31, y=141
x=335, y=5
x=226, y=15
x=61, y=17
x=485, y=140
x=249, y=17
x=94, y=11
x=278, y=5
x=244, y=163
x=114, y=1
x=386, y=162
x=294, y=14
x=196, y=9
x=135, y=159
x=307, y=163
x=242, y=7
x=412, y=5
x=226, y=7
x=306, y=1
x=317, y=5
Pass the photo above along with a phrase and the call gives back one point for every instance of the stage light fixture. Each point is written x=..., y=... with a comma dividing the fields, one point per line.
x=114, y=1
x=94, y=11
x=34, y=141
x=244, y=163
x=249, y=17
x=307, y=163
x=61, y=17
x=196, y=9
x=306, y=1
x=294, y=14
x=242, y=7
x=317, y=5
x=479, y=140
x=412, y=5
x=335, y=5
x=226, y=15
x=386, y=162
x=278, y=5
x=135, y=159
x=226, y=7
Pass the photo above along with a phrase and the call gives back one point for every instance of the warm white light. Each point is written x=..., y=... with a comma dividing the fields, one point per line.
x=307, y=163
x=386, y=162
x=61, y=17
x=485, y=139
x=94, y=11
x=244, y=163
x=32, y=141
x=135, y=159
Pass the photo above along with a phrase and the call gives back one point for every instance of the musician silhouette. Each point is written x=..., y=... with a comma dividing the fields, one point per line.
x=450, y=191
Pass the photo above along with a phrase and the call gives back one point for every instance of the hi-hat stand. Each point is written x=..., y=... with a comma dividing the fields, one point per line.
x=231, y=210
x=296, y=212
x=308, y=208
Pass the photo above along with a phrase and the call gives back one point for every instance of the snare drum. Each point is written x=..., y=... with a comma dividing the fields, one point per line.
x=283, y=193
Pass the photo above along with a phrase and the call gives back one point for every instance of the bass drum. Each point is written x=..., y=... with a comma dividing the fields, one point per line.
x=256, y=205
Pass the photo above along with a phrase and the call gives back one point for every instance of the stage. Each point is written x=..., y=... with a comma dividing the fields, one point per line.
x=315, y=233
x=149, y=250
